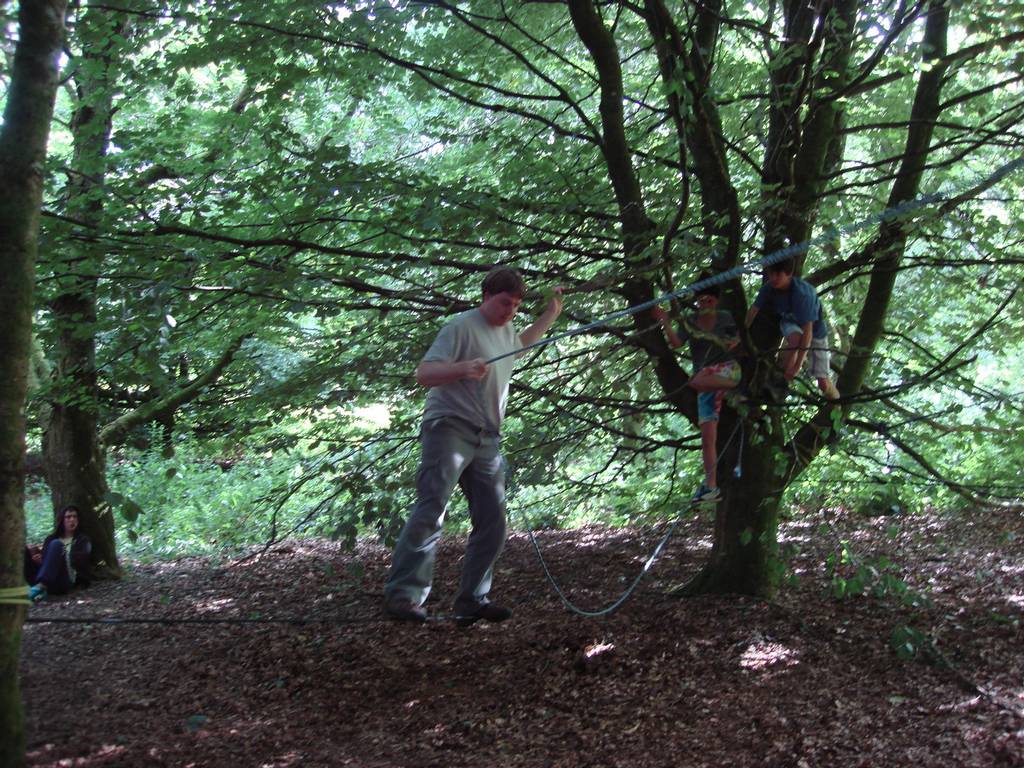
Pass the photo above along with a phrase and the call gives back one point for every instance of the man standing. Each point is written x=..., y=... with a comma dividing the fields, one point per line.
x=460, y=441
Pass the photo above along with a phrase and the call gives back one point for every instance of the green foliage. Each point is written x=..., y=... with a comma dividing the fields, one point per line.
x=39, y=520
x=908, y=642
x=201, y=508
x=853, y=575
x=335, y=180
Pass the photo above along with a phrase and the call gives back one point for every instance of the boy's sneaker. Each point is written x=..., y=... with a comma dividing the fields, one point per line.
x=707, y=495
x=37, y=593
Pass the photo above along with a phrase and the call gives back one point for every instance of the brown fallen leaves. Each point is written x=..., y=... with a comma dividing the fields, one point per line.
x=709, y=681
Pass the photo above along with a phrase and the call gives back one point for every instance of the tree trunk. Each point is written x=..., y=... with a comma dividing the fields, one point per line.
x=75, y=455
x=23, y=138
x=891, y=241
x=744, y=555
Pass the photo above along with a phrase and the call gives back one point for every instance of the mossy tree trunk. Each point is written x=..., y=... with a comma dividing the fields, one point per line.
x=79, y=432
x=23, y=138
x=75, y=456
x=745, y=554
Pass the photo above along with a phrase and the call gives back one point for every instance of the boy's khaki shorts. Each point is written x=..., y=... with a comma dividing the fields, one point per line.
x=817, y=361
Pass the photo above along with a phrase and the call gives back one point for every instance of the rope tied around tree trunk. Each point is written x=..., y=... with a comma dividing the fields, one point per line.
x=14, y=596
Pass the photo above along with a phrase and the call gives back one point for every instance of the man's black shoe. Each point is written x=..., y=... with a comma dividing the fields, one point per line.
x=405, y=610
x=486, y=611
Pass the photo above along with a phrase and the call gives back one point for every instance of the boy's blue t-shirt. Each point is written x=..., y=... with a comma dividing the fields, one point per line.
x=799, y=305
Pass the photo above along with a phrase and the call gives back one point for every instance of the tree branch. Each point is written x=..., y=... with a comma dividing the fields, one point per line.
x=118, y=429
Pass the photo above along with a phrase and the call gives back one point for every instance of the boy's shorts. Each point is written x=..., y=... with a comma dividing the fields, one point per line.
x=817, y=361
x=709, y=404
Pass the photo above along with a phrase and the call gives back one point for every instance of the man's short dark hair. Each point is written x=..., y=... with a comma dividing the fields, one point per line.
x=708, y=290
x=786, y=265
x=504, y=280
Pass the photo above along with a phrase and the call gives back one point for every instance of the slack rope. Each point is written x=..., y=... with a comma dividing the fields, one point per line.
x=648, y=564
x=773, y=258
x=296, y=621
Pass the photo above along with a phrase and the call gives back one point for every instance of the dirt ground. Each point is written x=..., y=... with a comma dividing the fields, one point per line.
x=805, y=681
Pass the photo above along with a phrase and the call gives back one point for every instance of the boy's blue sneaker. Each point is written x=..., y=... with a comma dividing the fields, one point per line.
x=37, y=593
x=706, y=495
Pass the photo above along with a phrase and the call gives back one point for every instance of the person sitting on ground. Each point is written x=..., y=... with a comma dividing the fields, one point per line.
x=801, y=322
x=713, y=337
x=63, y=560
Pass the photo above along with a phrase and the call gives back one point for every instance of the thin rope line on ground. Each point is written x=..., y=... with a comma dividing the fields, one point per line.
x=117, y=620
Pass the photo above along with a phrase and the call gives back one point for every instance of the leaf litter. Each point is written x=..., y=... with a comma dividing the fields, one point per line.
x=804, y=680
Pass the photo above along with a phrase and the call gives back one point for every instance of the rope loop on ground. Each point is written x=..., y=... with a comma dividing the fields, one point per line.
x=648, y=564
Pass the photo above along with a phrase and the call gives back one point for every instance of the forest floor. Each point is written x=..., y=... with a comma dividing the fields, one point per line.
x=807, y=680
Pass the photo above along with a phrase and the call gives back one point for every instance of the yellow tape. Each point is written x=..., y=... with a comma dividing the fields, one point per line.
x=14, y=596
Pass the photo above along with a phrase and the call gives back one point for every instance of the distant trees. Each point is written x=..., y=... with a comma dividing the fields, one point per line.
x=75, y=436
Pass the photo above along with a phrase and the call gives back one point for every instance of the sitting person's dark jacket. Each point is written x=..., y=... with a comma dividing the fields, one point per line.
x=63, y=561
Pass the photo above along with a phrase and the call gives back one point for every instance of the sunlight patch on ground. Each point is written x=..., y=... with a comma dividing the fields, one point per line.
x=101, y=756
x=597, y=537
x=762, y=654
x=590, y=539
x=1016, y=600
x=797, y=532
x=215, y=606
x=597, y=649
x=289, y=758
x=700, y=542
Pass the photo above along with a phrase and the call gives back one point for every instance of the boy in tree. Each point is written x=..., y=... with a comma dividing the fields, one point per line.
x=713, y=337
x=460, y=440
x=801, y=322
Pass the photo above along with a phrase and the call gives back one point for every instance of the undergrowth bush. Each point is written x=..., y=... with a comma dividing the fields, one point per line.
x=184, y=503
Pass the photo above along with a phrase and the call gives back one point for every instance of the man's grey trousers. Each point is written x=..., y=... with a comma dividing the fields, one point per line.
x=453, y=451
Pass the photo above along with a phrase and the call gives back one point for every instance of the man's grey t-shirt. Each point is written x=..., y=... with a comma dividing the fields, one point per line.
x=481, y=403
